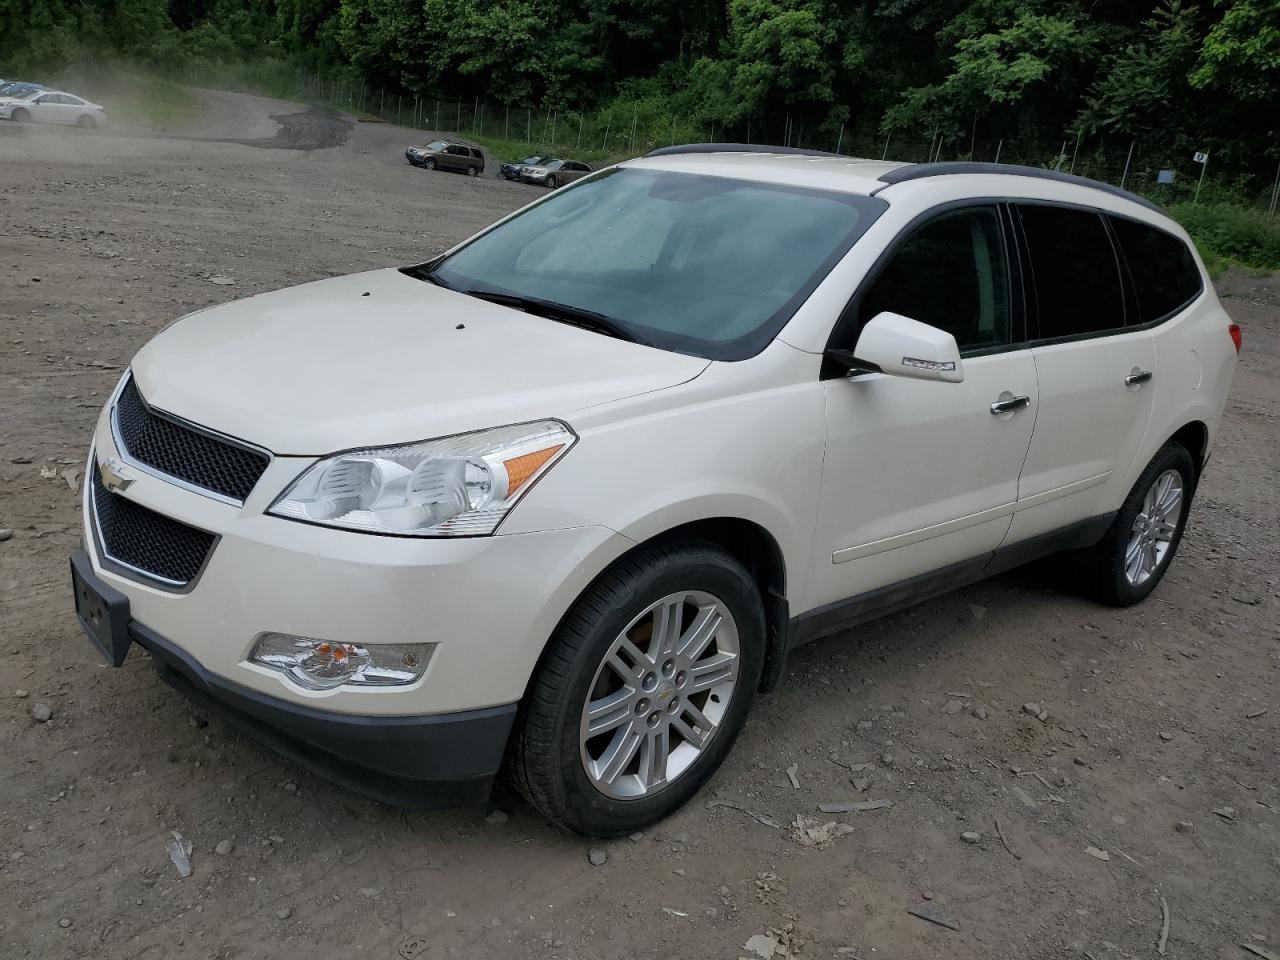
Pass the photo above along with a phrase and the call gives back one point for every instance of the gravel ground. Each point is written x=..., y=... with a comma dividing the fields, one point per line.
x=1157, y=746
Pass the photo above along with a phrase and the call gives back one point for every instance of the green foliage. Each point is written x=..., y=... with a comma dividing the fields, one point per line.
x=1241, y=52
x=1169, y=76
x=1141, y=87
x=1232, y=234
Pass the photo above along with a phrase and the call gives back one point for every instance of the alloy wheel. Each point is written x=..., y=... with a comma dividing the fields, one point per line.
x=660, y=695
x=1154, y=528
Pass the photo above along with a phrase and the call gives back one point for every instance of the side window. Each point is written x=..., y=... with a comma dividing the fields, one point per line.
x=1164, y=273
x=1075, y=275
x=951, y=273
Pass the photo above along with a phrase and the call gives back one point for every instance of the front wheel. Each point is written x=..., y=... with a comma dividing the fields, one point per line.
x=643, y=690
x=86, y=122
x=552, y=182
x=1142, y=541
x=20, y=115
x=429, y=164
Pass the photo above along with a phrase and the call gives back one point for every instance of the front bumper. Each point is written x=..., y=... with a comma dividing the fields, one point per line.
x=412, y=761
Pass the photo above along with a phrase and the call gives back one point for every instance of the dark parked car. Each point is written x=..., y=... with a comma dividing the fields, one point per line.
x=513, y=169
x=12, y=88
x=444, y=155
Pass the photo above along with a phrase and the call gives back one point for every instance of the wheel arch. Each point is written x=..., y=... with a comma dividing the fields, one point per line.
x=748, y=542
x=1194, y=435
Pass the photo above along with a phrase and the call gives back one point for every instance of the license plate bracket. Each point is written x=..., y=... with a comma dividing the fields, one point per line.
x=103, y=612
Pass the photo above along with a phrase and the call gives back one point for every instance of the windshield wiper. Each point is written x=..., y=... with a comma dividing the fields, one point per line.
x=560, y=312
x=426, y=271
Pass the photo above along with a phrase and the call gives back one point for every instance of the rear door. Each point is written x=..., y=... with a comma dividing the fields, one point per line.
x=1094, y=364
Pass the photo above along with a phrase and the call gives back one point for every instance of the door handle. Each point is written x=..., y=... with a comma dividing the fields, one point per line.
x=1137, y=377
x=1008, y=406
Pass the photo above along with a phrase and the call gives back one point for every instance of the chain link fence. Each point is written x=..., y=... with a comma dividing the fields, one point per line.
x=634, y=129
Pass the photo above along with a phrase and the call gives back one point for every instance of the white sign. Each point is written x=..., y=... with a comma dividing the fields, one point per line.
x=1200, y=157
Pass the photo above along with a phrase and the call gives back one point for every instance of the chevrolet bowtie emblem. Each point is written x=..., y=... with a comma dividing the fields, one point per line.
x=115, y=475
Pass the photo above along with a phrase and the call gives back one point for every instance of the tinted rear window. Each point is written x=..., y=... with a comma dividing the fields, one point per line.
x=1075, y=275
x=1165, y=275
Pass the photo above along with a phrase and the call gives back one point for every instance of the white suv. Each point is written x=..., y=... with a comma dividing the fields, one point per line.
x=564, y=497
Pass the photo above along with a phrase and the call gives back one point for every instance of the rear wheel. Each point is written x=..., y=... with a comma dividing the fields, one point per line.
x=473, y=171
x=20, y=115
x=86, y=122
x=643, y=690
x=1135, y=553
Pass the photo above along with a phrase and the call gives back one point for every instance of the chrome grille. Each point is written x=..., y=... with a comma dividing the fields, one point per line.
x=172, y=447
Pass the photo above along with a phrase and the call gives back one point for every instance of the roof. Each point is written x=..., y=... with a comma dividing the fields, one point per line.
x=783, y=165
x=823, y=170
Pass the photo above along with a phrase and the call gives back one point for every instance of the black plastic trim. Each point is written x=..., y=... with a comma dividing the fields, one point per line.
x=947, y=168
x=843, y=614
x=128, y=571
x=738, y=148
x=416, y=761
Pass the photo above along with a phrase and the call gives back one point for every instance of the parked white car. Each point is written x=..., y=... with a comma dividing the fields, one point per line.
x=52, y=106
x=564, y=497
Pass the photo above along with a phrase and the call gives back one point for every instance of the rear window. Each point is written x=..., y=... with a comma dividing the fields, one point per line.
x=1074, y=272
x=1164, y=272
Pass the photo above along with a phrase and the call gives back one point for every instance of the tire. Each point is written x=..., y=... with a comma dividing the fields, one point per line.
x=548, y=761
x=20, y=115
x=473, y=171
x=86, y=122
x=429, y=163
x=1125, y=565
x=552, y=182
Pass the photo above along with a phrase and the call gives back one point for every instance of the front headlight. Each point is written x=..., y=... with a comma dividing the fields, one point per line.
x=460, y=486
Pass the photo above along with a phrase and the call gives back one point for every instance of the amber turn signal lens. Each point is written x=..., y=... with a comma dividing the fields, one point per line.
x=520, y=469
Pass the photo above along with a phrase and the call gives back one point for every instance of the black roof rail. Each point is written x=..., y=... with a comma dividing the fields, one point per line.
x=736, y=148
x=918, y=171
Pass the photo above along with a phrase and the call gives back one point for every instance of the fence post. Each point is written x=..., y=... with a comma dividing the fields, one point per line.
x=416, y=124
x=635, y=116
x=673, y=130
x=885, y=155
x=998, y=147
x=840, y=139
x=474, y=113
x=1075, y=152
x=607, y=125
x=506, y=124
x=1125, y=176
x=1275, y=193
x=399, y=113
x=382, y=103
x=528, y=125
x=1200, y=183
x=578, y=146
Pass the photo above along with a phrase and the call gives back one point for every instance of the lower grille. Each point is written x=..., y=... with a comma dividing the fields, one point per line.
x=145, y=541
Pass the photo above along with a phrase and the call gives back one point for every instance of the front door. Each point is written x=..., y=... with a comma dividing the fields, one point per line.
x=921, y=477
x=1095, y=376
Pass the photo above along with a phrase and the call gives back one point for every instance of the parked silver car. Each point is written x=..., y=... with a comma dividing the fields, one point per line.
x=555, y=172
x=52, y=106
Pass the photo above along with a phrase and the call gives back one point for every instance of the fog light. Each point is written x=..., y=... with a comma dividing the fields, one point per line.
x=323, y=665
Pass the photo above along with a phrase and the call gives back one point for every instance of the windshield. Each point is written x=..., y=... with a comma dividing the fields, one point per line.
x=530, y=160
x=702, y=265
x=27, y=94
x=436, y=145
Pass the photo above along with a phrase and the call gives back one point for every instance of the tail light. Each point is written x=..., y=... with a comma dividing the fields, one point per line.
x=1236, y=338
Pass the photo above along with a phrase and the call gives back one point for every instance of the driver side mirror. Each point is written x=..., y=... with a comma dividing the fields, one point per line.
x=899, y=346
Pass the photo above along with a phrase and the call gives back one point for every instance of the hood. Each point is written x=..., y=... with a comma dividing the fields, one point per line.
x=377, y=358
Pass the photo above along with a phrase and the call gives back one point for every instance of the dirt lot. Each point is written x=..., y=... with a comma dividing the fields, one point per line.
x=1154, y=714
